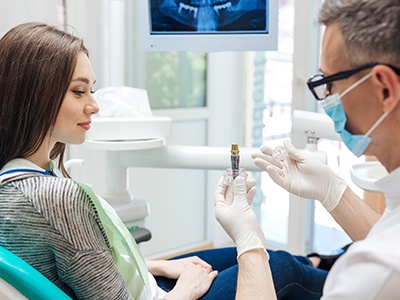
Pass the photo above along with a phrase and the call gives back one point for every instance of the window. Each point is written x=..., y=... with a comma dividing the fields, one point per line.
x=176, y=79
x=323, y=233
x=277, y=122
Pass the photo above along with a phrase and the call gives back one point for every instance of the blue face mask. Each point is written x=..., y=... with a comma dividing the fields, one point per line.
x=334, y=109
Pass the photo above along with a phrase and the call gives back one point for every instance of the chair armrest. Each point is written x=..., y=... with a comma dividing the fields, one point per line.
x=141, y=234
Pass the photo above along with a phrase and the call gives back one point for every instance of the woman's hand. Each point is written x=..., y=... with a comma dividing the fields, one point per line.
x=194, y=281
x=174, y=268
x=194, y=276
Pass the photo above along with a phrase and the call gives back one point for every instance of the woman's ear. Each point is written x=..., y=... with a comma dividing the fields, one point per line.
x=388, y=84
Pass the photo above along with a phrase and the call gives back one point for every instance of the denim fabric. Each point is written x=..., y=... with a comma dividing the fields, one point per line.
x=294, y=277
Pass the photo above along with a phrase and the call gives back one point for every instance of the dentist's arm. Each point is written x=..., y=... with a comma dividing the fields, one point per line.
x=305, y=176
x=354, y=215
x=254, y=276
x=233, y=211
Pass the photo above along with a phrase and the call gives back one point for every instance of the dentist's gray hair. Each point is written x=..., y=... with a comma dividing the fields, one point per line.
x=371, y=29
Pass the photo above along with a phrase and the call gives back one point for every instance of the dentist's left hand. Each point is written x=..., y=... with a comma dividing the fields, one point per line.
x=233, y=211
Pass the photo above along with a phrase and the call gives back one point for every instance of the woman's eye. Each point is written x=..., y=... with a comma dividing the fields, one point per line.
x=79, y=93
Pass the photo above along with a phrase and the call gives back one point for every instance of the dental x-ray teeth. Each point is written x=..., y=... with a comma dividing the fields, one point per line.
x=184, y=8
x=208, y=15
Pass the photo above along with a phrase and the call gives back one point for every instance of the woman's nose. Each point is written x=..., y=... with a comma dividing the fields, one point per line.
x=92, y=107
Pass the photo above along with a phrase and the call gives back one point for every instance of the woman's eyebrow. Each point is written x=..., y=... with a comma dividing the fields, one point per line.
x=83, y=79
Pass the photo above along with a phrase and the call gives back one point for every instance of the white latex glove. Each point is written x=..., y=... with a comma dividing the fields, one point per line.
x=233, y=211
x=302, y=174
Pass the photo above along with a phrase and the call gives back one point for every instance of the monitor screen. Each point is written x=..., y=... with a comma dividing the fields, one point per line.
x=208, y=26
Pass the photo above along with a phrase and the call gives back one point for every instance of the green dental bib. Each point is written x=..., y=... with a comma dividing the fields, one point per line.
x=125, y=251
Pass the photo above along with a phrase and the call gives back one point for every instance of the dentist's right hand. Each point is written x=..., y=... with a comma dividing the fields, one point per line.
x=302, y=174
x=233, y=211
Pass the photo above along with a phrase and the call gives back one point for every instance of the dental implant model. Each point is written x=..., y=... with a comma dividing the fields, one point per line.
x=235, y=160
x=235, y=170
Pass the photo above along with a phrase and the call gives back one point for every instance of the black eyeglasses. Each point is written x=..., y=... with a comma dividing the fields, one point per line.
x=320, y=86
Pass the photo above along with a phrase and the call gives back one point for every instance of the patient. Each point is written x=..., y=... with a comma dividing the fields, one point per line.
x=60, y=226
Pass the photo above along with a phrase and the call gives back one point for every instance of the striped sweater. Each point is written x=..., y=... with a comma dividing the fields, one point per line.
x=51, y=224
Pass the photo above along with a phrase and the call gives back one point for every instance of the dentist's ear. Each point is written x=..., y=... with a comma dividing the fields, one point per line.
x=389, y=86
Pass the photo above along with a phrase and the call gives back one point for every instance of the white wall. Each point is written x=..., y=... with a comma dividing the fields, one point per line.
x=91, y=20
x=14, y=12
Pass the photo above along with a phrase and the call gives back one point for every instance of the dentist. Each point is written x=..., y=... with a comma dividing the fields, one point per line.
x=359, y=88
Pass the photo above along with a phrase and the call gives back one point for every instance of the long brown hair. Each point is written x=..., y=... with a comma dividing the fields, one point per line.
x=37, y=61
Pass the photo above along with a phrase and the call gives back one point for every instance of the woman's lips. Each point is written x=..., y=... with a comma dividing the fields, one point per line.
x=85, y=125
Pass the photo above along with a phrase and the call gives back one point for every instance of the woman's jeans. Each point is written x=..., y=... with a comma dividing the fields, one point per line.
x=294, y=277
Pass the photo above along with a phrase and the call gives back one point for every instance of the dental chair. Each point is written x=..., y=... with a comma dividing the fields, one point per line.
x=19, y=280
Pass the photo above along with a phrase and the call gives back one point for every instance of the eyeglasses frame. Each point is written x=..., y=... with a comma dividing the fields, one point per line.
x=339, y=76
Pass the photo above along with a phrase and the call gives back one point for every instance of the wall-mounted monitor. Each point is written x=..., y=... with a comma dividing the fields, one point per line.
x=208, y=26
